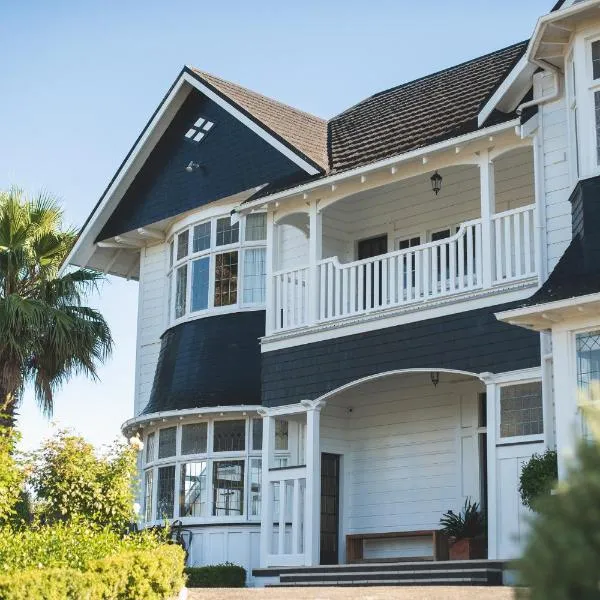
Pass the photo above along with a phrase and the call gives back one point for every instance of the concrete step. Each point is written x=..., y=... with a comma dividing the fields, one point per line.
x=422, y=581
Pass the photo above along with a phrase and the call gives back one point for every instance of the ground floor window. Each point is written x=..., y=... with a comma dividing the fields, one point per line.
x=228, y=488
x=521, y=411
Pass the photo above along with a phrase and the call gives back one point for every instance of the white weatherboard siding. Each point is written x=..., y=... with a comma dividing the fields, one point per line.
x=151, y=319
x=557, y=182
x=217, y=545
x=409, y=453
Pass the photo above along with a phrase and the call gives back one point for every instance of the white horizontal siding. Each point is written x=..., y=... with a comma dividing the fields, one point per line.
x=151, y=319
x=403, y=444
x=557, y=182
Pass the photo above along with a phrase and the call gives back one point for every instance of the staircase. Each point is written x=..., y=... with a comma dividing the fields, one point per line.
x=468, y=572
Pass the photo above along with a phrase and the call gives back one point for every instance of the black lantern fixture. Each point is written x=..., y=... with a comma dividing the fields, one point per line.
x=435, y=378
x=436, y=183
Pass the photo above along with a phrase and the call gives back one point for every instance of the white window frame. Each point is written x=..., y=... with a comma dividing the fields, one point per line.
x=573, y=115
x=517, y=439
x=593, y=87
x=211, y=252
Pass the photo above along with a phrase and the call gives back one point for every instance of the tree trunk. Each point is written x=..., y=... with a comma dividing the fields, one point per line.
x=8, y=409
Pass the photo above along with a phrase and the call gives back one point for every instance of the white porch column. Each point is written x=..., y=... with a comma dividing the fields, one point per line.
x=492, y=499
x=266, y=512
x=314, y=256
x=488, y=203
x=271, y=261
x=312, y=519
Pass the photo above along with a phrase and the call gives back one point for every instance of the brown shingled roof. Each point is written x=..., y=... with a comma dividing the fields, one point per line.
x=416, y=114
x=297, y=128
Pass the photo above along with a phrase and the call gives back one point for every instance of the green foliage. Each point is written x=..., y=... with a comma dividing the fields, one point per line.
x=11, y=476
x=47, y=333
x=63, y=545
x=538, y=477
x=226, y=575
x=562, y=557
x=71, y=482
x=469, y=523
x=141, y=574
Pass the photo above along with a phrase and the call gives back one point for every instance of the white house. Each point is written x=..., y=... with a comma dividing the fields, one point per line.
x=348, y=327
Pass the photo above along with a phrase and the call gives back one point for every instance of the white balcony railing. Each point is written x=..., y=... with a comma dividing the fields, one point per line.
x=420, y=274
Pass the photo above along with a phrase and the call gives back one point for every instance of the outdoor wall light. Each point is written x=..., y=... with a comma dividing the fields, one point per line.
x=435, y=378
x=192, y=166
x=436, y=182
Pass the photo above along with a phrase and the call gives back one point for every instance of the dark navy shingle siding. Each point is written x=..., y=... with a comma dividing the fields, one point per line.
x=233, y=159
x=471, y=341
x=209, y=362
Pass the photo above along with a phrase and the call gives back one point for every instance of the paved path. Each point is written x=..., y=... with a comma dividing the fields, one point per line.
x=356, y=593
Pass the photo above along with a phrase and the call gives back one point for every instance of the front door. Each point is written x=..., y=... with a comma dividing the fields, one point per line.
x=368, y=249
x=330, y=503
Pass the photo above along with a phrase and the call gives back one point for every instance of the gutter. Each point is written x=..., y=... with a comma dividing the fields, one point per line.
x=556, y=72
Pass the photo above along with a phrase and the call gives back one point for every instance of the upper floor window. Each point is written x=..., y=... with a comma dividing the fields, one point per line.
x=217, y=263
x=594, y=77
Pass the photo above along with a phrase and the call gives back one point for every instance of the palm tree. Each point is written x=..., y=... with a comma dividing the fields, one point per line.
x=47, y=334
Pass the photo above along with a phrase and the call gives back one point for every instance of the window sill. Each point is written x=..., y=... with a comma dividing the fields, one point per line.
x=213, y=312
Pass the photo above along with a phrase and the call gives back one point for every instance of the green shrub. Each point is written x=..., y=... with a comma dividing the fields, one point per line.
x=139, y=574
x=538, y=477
x=216, y=576
x=11, y=476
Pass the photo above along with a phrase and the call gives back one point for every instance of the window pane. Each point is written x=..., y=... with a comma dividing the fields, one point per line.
x=193, y=438
x=226, y=232
x=255, y=487
x=166, y=492
x=150, y=447
x=521, y=410
x=597, y=103
x=226, y=269
x=193, y=494
x=180, y=291
x=230, y=436
x=171, y=249
x=201, y=239
x=588, y=366
x=281, y=435
x=256, y=227
x=257, y=432
x=166, y=442
x=254, y=276
x=200, y=276
x=228, y=488
x=596, y=59
x=149, y=476
x=183, y=240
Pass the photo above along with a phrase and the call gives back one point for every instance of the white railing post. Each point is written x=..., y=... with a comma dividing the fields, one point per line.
x=266, y=513
x=312, y=520
x=314, y=256
x=270, y=259
x=488, y=202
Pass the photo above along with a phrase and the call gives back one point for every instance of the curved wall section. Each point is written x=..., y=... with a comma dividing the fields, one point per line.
x=213, y=361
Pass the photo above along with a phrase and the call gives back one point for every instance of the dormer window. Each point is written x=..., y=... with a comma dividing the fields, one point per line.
x=216, y=264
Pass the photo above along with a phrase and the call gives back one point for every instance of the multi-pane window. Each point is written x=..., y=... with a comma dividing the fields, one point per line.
x=166, y=442
x=254, y=495
x=588, y=366
x=593, y=81
x=194, y=438
x=596, y=59
x=597, y=120
x=193, y=492
x=257, y=434
x=148, y=485
x=226, y=272
x=165, y=496
x=521, y=410
x=150, y=447
x=226, y=232
x=228, y=487
x=203, y=277
x=281, y=434
x=229, y=436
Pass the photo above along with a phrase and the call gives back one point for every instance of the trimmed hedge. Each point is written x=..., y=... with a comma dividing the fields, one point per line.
x=143, y=574
x=226, y=575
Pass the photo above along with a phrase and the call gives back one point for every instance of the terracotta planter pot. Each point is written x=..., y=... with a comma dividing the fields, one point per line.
x=468, y=549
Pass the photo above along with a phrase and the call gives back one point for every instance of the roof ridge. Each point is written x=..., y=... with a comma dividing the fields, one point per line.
x=429, y=75
x=246, y=89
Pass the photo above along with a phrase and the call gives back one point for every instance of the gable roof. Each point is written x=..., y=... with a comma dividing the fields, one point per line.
x=305, y=132
x=419, y=113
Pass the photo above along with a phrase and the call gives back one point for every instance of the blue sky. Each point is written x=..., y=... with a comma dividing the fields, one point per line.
x=80, y=79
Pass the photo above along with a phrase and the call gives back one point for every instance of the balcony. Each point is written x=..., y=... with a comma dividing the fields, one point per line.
x=494, y=252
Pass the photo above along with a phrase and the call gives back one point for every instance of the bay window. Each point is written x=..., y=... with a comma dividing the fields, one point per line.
x=216, y=264
x=204, y=469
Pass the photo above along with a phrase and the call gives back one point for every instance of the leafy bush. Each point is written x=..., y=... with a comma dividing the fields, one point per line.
x=71, y=545
x=72, y=482
x=216, y=576
x=11, y=476
x=469, y=523
x=142, y=574
x=538, y=477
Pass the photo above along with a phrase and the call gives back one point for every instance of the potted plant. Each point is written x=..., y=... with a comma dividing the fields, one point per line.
x=465, y=532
